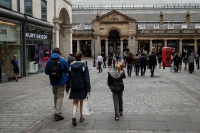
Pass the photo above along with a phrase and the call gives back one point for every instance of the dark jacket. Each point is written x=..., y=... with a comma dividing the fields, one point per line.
x=78, y=77
x=130, y=60
x=109, y=62
x=180, y=59
x=159, y=59
x=104, y=58
x=176, y=59
x=143, y=61
x=64, y=66
x=152, y=60
x=115, y=81
x=71, y=59
x=137, y=61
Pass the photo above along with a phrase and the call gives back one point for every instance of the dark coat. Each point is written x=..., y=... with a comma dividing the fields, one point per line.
x=78, y=77
x=152, y=60
x=115, y=81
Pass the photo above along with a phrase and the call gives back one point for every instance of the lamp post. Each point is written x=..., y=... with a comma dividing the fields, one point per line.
x=94, y=62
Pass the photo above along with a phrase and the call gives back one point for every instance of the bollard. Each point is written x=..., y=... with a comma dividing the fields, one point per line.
x=86, y=62
x=163, y=64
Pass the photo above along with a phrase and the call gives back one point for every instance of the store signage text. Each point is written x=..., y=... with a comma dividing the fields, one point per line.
x=3, y=31
x=37, y=36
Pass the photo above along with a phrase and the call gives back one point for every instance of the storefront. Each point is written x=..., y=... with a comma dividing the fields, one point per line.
x=38, y=48
x=10, y=44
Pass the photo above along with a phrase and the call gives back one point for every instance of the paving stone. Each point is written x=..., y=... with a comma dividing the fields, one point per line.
x=111, y=125
x=178, y=118
x=183, y=126
x=80, y=125
x=144, y=125
x=194, y=118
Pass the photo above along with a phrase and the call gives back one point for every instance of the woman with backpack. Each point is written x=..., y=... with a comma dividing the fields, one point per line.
x=79, y=82
x=116, y=85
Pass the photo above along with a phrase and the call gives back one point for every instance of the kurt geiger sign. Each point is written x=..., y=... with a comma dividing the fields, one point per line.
x=36, y=36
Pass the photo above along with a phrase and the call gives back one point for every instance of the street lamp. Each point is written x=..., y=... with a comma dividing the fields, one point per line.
x=94, y=62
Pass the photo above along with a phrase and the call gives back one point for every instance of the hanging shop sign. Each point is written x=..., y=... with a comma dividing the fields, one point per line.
x=36, y=36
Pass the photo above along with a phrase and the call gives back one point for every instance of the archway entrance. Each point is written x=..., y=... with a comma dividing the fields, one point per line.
x=63, y=37
x=114, y=42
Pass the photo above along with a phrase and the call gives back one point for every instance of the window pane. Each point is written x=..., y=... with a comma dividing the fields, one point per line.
x=28, y=6
x=44, y=9
x=6, y=3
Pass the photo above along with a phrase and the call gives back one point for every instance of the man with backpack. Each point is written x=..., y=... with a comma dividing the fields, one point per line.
x=56, y=68
x=176, y=62
x=143, y=63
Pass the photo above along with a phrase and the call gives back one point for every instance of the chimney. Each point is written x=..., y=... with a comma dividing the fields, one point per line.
x=97, y=16
x=187, y=18
x=161, y=18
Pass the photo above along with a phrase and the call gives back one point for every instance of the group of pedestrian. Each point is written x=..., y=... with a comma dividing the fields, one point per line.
x=72, y=75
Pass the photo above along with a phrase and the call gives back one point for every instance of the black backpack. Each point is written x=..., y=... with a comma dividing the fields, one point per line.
x=55, y=71
x=143, y=61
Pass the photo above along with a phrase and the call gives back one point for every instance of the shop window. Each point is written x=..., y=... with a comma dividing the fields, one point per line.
x=5, y=3
x=184, y=26
x=28, y=7
x=141, y=26
x=44, y=9
x=9, y=46
x=156, y=26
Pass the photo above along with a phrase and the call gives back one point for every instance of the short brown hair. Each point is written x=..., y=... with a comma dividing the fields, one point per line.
x=78, y=56
x=56, y=50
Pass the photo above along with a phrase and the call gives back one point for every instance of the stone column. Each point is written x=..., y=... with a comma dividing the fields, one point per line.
x=121, y=48
x=132, y=44
x=57, y=33
x=97, y=46
x=195, y=45
x=57, y=23
x=67, y=41
x=180, y=46
x=165, y=44
x=78, y=45
x=106, y=47
x=150, y=46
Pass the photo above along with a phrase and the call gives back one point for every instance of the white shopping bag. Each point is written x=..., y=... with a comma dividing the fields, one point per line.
x=87, y=106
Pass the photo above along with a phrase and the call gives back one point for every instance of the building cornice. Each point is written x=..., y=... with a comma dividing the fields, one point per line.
x=68, y=2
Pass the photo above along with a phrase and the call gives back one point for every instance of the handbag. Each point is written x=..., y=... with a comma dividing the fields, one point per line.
x=87, y=106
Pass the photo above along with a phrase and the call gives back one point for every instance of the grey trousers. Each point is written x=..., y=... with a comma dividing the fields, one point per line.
x=118, y=102
x=58, y=92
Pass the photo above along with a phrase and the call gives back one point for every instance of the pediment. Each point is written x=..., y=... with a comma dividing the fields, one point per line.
x=114, y=16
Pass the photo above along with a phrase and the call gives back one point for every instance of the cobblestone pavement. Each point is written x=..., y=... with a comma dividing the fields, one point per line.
x=168, y=102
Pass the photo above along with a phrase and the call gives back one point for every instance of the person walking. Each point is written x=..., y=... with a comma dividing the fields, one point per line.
x=104, y=62
x=159, y=61
x=71, y=59
x=116, y=85
x=129, y=61
x=176, y=62
x=197, y=60
x=79, y=83
x=137, y=64
x=114, y=60
x=180, y=61
x=143, y=63
x=185, y=61
x=57, y=68
x=109, y=63
x=14, y=64
x=124, y=58
x=152, y=62
x=99, y=61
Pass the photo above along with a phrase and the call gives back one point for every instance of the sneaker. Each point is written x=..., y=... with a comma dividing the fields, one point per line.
x=74, y=122
x=16, y=80
x=82, y=119
x=59, y=117
x=116, y=118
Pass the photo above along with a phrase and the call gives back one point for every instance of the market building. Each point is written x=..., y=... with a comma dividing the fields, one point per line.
x=109, y=27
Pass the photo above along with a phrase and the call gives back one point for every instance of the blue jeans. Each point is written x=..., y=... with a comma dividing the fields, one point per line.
x=129, y=69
